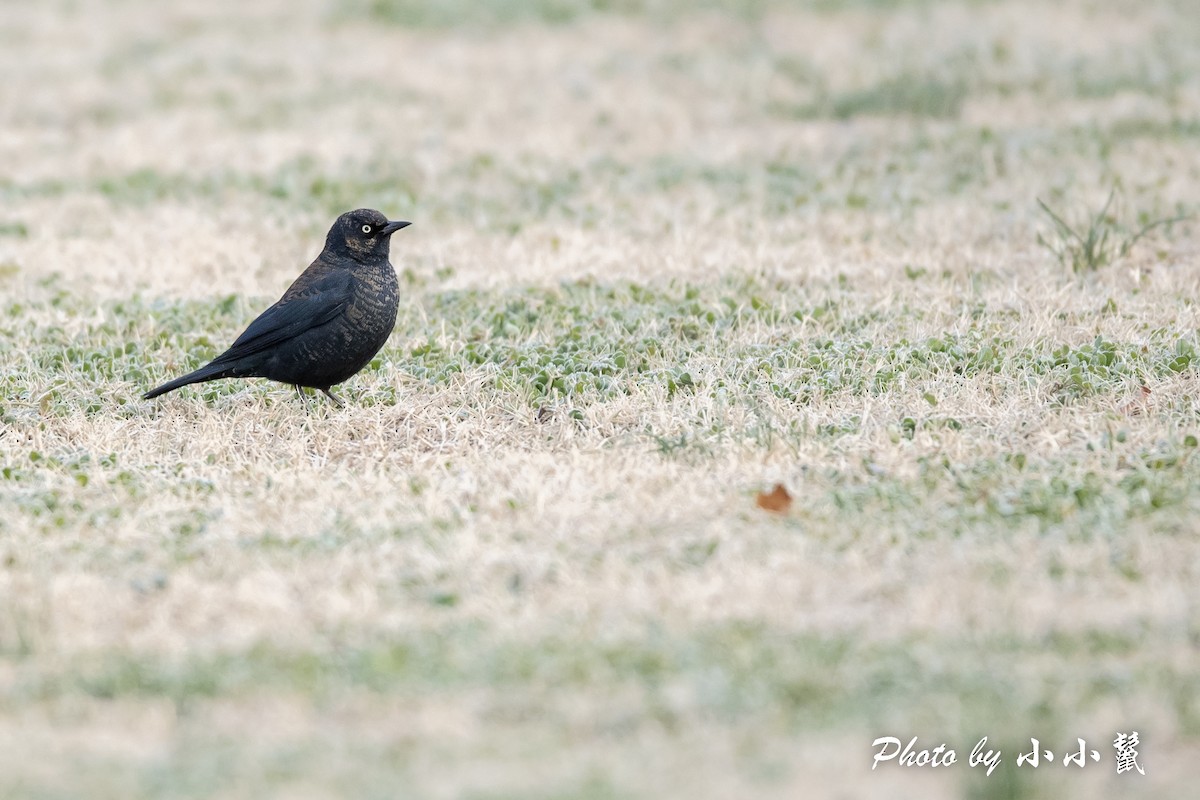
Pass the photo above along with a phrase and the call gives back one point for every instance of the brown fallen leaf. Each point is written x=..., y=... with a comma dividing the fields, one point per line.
x=1139, y=404
x=777, y=500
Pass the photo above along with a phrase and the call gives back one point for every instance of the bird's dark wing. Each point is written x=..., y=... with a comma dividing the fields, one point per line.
x=311, y=307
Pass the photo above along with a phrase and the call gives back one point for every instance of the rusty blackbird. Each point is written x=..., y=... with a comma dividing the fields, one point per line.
x=330, y=322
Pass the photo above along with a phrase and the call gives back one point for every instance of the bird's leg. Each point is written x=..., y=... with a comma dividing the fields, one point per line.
x=303, y=399
x=333, y=397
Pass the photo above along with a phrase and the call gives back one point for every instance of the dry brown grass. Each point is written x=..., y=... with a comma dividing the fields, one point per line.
x=461, y=586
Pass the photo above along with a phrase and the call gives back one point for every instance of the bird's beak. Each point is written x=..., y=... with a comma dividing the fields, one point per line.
x=392, y=227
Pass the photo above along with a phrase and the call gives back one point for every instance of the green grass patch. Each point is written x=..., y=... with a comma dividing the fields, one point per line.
x=909, y=95
x=732, y=672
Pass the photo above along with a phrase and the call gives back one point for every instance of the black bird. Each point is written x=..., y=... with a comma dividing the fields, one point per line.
x=330, y=322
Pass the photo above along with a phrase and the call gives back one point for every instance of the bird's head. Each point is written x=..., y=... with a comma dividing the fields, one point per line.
x=362, y=235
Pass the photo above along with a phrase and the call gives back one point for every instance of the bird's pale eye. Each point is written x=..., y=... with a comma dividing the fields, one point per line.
x=366, y=228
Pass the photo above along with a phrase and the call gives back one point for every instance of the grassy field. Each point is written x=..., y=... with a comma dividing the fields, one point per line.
x=666, y=255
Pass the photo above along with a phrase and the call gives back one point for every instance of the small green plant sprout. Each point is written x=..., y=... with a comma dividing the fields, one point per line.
x=1101, y=240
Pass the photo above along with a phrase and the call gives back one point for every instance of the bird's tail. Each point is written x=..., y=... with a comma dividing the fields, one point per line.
x=209, y=372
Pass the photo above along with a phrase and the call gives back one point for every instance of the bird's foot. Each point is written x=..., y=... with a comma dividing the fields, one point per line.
x=334, y=398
